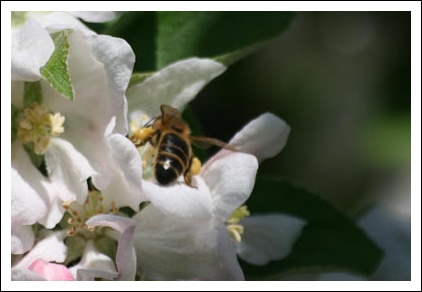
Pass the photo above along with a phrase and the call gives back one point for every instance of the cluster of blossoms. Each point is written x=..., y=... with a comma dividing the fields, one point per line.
x=84, y=203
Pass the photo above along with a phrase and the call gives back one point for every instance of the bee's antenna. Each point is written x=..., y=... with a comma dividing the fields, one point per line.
x=149, y=123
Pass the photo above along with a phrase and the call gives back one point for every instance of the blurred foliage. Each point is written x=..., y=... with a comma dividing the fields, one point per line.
x=160, y=38
x=341, y=80
x=329, y=242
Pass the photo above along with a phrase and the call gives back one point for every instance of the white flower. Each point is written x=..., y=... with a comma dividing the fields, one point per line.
x=98, y=265
x=44, y=260
x=49, y=249
x=79, y=139
x=32, y=45
x=184, y=233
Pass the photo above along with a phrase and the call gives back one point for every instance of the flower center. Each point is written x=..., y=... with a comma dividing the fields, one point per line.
x=38, y=126
x=232, y=224
x=139, y=135
x=81, y=213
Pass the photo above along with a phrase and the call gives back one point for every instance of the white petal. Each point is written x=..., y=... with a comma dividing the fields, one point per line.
x=56, y=209
x=393, y=235
x=263, y=137
x=175, y=85
x=22, y=239
x=94, y=265
x=28, y=206
x=57, y=21
x=50, y=249
x=31, y=48
x=125, y=185
x=34, y=198
x=118, y=59
x=100, y=67
x=67, y=166
x=99, y=84
x=268, y=237
x=231, y=179
x=30, y=198
x=179, y=199
x=183, y=249
x=125, y=256
x=25, y=275
x=94, y=16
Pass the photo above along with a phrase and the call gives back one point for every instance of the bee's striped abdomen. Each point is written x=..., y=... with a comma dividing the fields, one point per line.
x=172, y=160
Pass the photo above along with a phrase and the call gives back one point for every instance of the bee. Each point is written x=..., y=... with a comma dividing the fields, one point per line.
x=170, y=135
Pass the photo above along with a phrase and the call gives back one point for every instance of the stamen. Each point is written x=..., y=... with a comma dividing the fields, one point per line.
x=81, y=213
x=235, y=229
x=38, y=126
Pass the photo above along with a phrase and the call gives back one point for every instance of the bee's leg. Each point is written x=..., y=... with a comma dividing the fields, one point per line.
x=193, y=169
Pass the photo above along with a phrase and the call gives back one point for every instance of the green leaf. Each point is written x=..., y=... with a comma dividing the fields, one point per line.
x=329, y=242
x=56, y=71
x=213, y=34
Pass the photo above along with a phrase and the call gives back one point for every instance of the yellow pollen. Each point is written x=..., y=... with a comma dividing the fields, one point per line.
x=235, y=229
x=196, y=166
x=141, y=135
x=38, y=126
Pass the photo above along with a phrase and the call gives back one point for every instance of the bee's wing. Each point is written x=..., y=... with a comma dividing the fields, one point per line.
x=206, y=142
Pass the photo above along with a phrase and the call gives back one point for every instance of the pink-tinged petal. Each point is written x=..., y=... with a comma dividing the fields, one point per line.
x=268, y=237
x=25, y=275
x=125, y=256
x=30, y=197
x=94, y=16
x=230, y=179
x=94, y=265
x=263, y=137
x=125, y=185
x=181, y=200
x=51, y=271
x=183, y=249
x=31, y=49
x=50, y=249
x=22, y=239
x=68, y=167
x=175, y=85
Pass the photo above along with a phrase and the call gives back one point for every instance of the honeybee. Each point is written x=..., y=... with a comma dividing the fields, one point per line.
x=170, y=135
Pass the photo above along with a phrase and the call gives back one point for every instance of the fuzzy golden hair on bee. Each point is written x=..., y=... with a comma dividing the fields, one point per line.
x=170, y=135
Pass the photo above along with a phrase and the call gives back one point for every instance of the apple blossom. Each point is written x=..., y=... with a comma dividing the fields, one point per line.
x=190, y=232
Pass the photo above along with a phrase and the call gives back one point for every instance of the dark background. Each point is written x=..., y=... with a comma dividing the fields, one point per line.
x=341, y=80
